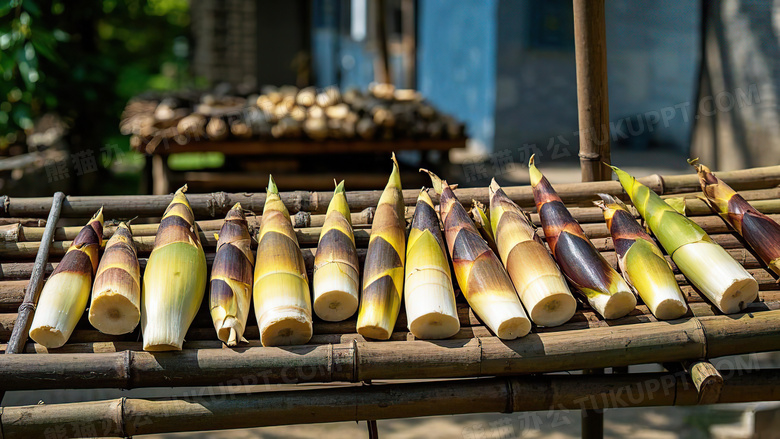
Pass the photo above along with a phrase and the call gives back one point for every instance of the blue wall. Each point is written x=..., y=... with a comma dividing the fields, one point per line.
x=484, y=62
x=456, y=67
x=652, y=58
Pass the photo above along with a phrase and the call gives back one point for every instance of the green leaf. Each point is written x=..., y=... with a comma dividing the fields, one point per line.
x=46, y=51
x=31, y=7
x=6, y=6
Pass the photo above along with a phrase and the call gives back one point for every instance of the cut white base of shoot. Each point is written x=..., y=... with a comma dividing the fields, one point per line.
x=717, y=275
x=61, y=304
x=506, y=319
x=114, y=313
x=285, y=327
x=548, y=300
x=430, y=306
x=668, y=309
x=335, y=292
x=613, y=306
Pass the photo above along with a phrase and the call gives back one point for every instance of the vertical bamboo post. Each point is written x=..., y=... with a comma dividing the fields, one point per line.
x=409, y=39
x=590, y=47
x=23, y=320
x=383, y=73
x=593, y=419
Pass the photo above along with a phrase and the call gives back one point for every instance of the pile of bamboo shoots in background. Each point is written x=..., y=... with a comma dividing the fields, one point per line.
x=382, y=113
x=510, y=276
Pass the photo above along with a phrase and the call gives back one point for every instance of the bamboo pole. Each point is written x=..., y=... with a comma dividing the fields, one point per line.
x=590, y=50
x=125, y=417
x=673, y=341
x=33, y=291
x=215, y=205
x=28, y=222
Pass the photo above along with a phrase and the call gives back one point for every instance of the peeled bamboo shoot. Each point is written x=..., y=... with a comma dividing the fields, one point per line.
x=383, y=273
x=579, y=260
x=759, y=231
x=231, y=278
x=174, y=280
x=281, y=288
x=336, y=277
x=64, y=297
x=116, y=296
x=642, y=262
x=429, y=295
x=537, y=279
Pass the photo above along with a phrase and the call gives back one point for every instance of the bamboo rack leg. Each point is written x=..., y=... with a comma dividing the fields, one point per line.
x=161, y=175
x=383, y=72
x=590, y=48
x=707, y=379
x=23, y=321
x=373, y=430
x=593, y=419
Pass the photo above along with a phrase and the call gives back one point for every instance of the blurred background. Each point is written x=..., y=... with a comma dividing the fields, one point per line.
x=137, y=96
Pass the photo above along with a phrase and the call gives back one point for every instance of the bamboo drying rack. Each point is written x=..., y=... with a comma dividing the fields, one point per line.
x=469, y=373
x=490, y=375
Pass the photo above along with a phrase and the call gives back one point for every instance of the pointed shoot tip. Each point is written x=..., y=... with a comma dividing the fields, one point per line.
x=436, y=182
x=494, y=186
x=535, y=173
x=272, y=185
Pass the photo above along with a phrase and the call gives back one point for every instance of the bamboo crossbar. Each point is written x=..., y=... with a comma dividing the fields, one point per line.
x=125, y=417
x=610, y=346
x=215, y=205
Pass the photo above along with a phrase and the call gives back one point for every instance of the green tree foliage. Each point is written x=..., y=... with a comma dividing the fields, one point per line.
x=83, y=59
